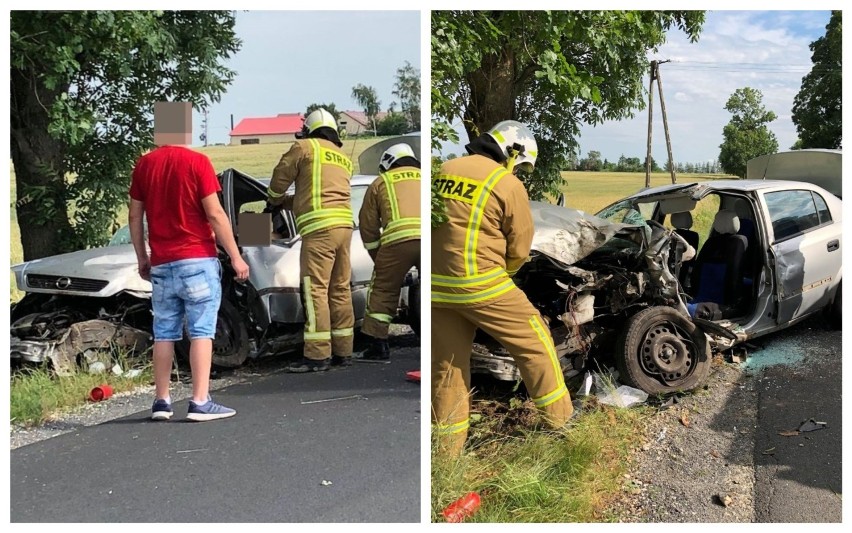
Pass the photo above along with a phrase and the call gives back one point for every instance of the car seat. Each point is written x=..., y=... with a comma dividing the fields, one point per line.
x=717, y=272
x=682, y=223
x=752, y=259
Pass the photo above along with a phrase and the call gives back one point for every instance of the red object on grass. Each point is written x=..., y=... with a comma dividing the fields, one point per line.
x=99, y=393
x=414, y=375
x=460, y=509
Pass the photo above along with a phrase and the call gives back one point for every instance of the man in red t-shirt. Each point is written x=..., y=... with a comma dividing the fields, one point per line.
x=175, y=189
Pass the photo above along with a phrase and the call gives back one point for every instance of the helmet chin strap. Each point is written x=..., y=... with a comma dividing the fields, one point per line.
x=510, y=162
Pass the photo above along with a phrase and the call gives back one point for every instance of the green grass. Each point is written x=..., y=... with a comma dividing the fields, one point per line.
x=523, y=476
x=592, y=191
x=36, y=395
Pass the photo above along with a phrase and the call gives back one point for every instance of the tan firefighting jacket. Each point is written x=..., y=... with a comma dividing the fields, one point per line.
x=488, y=235
x=391, y=209
x=322, y=174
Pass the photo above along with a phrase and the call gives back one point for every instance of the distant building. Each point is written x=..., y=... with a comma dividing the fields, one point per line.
x=356, y=122
x=266, y=130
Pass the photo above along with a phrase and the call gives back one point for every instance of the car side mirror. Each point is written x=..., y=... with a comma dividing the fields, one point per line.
x=560, y=200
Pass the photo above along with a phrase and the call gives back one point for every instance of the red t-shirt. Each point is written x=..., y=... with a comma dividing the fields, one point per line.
x=171, y=181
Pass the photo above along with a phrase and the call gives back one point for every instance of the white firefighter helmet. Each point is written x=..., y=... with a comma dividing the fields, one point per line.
x=395, y=153
x=516, y=142
x=318, y=119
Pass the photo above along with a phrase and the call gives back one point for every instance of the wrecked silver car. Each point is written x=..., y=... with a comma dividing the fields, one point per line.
x=79, y=304
x=635, y=283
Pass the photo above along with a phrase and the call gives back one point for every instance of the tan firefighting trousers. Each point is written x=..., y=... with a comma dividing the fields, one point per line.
x=393, y=262
x=326, y=274
x=512, y=321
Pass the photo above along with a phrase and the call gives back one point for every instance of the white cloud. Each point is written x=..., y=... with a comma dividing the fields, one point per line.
x=767, y=51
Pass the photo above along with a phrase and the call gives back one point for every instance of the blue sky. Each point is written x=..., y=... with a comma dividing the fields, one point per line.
x=765, y=50
x=292, y=59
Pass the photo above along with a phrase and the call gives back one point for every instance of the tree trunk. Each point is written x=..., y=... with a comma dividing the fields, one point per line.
x=492, y=93
x=39, y=170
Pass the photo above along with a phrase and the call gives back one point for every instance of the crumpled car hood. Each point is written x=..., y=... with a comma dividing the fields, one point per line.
x=116, y=264
x=569, y=235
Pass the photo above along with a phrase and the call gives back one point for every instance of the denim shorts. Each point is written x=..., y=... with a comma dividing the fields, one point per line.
x=187, y=291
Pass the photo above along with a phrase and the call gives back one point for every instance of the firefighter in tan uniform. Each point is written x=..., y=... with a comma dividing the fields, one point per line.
x=324, y=219
x=474, y=256
x=389, y=222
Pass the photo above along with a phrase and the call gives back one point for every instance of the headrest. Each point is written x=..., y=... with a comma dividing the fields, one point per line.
x=682, y=220
x=742, y=208
x=726, y=222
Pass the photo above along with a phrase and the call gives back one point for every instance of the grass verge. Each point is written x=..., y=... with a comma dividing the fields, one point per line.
x=527, y=475
x=36, y=395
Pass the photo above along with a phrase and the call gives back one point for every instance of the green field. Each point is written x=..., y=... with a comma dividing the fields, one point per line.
x=592, y=191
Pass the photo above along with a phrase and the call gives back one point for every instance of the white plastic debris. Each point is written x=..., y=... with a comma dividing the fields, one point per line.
x=97, y=367
x=133, y=373
x=325, y=483
x=623, y=396
x=586, y=388
x=117, y=370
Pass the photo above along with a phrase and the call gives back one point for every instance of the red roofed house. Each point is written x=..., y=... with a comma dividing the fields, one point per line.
x=356, y=122
x=278, y=129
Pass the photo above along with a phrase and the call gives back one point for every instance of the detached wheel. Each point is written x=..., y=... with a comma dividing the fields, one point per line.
x=231, y=344
x=660, y=351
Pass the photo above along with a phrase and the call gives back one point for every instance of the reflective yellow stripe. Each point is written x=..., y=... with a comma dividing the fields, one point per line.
x=371, y=245
x=331, y=212
x=309, y=305
x=391, y=192
x=545, y=339
x=407, y=221
x=345, y=332
x=449, y=429
x=272, y=194
x=468, y=281
x=472, y=236
x=397, y=235
x=318, y=336
x=554, y=396
x=499, y=136
x=381, y=317
x=333, y=157
x=326, y=223
x=474, y=297
x=316, y=176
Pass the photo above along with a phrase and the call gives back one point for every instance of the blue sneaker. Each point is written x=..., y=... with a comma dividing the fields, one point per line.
x=209, y=411
x=161, y=410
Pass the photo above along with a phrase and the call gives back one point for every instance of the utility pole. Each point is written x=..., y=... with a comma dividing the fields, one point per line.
x=666, y=121
x=655, y=75
x=650, y=123
x=206, y=131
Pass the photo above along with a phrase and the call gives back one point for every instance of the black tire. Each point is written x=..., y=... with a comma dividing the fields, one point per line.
x=414, y=307
x=660, y=351
x=231, y=345
x=836, y=311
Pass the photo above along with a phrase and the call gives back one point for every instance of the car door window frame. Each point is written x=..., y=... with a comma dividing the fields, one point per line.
x=819, y=222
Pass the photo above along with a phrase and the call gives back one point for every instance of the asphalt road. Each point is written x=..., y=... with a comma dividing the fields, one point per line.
x=798, y=478
x=732, y=445
x=278, y=460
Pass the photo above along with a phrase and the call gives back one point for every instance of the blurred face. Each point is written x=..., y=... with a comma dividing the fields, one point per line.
x=172, y=123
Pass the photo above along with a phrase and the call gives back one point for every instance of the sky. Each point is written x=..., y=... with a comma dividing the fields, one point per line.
x=765, y=50
x=283, y=66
